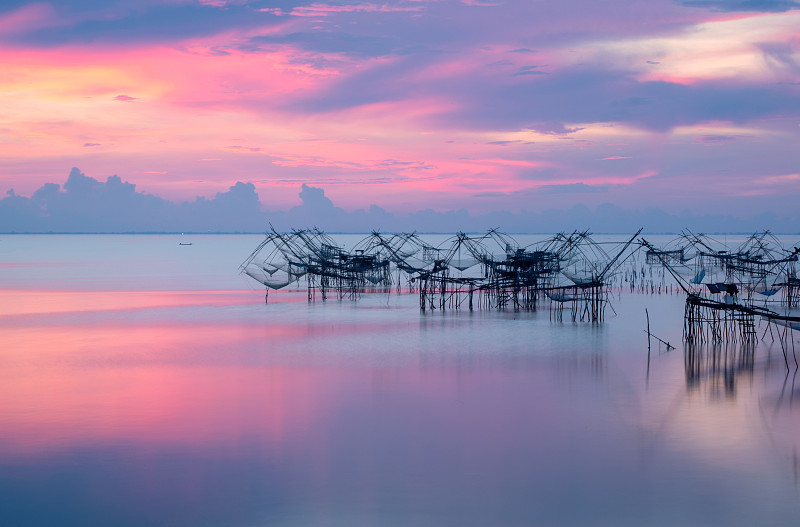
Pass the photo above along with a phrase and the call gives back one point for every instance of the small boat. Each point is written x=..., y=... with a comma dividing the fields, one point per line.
x=184, y=243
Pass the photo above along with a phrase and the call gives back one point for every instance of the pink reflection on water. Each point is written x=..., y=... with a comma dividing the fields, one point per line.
x=118, y=380
x=165, y=382
x=29, y=302
x=202, y=407
x=68, y=386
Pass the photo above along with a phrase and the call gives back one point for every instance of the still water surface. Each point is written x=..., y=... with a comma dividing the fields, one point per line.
x=147, y=383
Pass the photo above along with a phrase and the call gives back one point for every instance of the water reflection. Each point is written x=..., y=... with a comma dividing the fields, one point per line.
x=779, y=411
x=718, y=367
x=156, y=410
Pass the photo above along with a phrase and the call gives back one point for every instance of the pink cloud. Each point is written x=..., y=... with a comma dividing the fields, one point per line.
x=245, y=149
x=321, y=9
x=261, y=113
x=601, y=180
x=780, y=180
x=480, y=3
x=32, y=16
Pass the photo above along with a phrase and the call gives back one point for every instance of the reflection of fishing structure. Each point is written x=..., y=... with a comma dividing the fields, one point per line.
x=727, y=311
x=718, y=366
x=779, y=418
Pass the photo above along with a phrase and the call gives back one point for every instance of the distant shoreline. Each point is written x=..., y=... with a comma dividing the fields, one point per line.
x=223, y=233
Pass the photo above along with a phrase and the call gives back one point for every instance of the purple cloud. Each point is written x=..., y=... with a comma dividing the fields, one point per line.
x=763, y=6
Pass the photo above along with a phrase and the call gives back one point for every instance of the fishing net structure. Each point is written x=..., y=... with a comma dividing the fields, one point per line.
x=569, y=271
x=732, y=290
x=737, y=294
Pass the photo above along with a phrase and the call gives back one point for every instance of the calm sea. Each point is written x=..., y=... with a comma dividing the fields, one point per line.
x=147, y=383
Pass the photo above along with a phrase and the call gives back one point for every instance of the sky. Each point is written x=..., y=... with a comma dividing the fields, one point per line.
x=486, y=106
